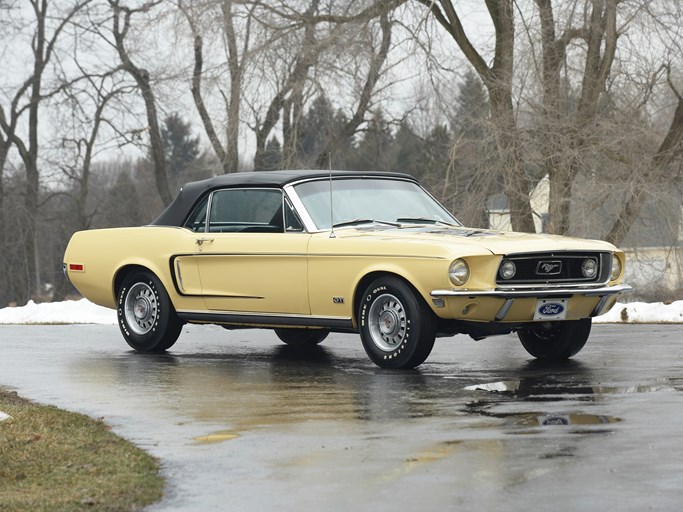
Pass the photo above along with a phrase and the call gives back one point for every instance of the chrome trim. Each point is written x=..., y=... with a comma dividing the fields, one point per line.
x=502, y=312
x=308, y=220
x=564, y=253
x=65, y=269
x=299, y=208
x=540, y=285
x=597, y=310
x=257, y=314
x=181, y=287
x=540, y=293
x=344, y=324
x=604, y=292
x=544, y=263
x=548, y=281
x=209, y=204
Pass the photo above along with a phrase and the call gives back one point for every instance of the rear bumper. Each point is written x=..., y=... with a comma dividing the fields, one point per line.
x=604, y=293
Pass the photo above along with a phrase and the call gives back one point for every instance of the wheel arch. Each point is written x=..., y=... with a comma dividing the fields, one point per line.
x=365, y=281
x=128, y=269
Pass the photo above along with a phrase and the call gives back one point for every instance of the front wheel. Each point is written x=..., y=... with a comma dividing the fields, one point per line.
x=396, y=326
x=146, y=316
x=555, y=340
x=301, y=337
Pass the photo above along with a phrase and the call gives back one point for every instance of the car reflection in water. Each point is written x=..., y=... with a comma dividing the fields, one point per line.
x=282, y=385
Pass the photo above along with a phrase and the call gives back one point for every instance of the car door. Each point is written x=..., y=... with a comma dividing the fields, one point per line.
x=252, y=256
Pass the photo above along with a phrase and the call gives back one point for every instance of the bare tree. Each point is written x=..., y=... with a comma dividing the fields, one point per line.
x=318, y=33
x=670, y=148
x=5, y=145
x=376, y=64
x=27, y=101
x=237, y=41
x=120, y=28
x=564, y=134
x=498, y=79
x=288, y=97
x=87, y=104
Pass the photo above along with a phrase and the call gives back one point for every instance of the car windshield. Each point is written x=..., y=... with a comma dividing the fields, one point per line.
x=366, y=200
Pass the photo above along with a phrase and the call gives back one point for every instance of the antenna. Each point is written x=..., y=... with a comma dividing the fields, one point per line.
x=332, y=235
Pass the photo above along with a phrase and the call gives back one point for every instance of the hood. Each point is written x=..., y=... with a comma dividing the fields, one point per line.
x=460, y=239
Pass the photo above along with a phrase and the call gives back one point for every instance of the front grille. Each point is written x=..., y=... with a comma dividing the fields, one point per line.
x=555, y=268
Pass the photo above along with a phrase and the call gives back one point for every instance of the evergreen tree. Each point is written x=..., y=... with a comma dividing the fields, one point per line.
x=406, y=152
x=472, y=111
x=315, y=129
x=475, y=173
x=343, y=158
x=180, y=148
x=272, y=155
x=373, y=149
x=436, y=151
x=122, y=204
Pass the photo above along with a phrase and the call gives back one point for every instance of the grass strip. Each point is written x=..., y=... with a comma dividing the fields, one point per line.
x=52, y=459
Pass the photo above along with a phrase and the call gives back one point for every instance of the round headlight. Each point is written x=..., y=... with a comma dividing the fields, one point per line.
x=459, y=272
x=589, y=268
x=616, y=268
x=508, y=269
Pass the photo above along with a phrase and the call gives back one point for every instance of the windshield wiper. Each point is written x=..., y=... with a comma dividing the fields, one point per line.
x=355, y=222
x=424, y=220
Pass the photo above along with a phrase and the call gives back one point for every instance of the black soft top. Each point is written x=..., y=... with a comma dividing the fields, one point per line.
x=176, y=212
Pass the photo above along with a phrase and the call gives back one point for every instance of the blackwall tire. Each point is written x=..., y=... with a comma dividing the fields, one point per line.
x=146, y=316
x=555, y=341
x=301, y=337
x=397, y=328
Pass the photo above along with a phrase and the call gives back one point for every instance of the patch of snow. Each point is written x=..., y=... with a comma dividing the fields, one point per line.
x=644, y=313
x=85, y=312
x=4, y=416
x=68, y=312
x=509, y=386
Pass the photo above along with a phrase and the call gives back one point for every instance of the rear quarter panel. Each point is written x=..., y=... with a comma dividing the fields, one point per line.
x=104, y=252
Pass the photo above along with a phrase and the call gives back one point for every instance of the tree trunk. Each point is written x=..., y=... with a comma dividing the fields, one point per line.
x=560, y=145
x=143, y=82
x=233, y=103
x=515, y=180
x=497, y=79
x=325, y=158
x=670, y=146
x=5, y=295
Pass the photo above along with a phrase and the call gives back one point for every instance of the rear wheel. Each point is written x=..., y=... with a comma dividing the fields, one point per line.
x=302, y=337
x=396, y=326
x=555, y=340
x=146, y=316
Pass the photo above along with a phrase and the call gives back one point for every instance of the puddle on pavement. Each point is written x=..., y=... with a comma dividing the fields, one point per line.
x=541, y=390
x=540, y=419
x=535, y=387
x=216, y=437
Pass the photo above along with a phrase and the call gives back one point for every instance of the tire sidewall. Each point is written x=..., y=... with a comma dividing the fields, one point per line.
x=297, y=337
x=401, y=355
x=570, y=338
x=153, y=339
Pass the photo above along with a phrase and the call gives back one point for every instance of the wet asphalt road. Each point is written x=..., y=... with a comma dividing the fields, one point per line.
x=242, y=422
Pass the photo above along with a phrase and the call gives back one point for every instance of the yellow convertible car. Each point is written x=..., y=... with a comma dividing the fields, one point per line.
x=308, y=252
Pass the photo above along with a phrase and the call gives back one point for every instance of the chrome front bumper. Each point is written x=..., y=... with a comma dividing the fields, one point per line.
x=604, y=292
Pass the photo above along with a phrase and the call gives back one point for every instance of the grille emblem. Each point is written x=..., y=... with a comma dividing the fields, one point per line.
x=549, y=268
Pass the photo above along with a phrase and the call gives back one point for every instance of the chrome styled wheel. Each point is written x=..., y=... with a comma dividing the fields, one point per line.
x=147, y=319
x=396, y=326
x=387, y=322
x=141, y=308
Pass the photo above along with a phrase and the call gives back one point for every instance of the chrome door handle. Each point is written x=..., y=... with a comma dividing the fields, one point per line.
x=200, y=241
